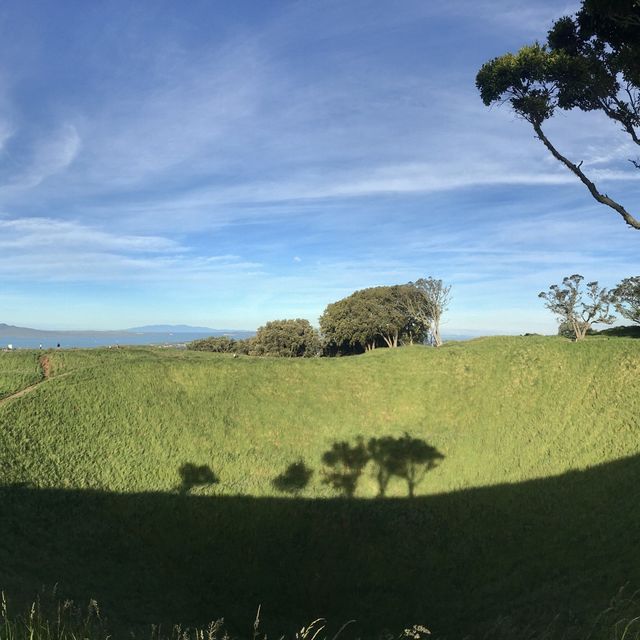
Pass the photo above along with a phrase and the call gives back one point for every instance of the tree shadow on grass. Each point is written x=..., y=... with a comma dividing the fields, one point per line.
x=407, y=458
x=453, y=562
x=344, y=464
x=193, y=475
x=294, y=479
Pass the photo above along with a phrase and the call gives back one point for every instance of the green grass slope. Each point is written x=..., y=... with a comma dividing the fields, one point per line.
x=18, y=369
x=532, y=511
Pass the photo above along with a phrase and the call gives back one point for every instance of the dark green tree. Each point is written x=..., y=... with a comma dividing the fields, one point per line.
x=568, y=302
x=626, y=297
x=215, y=344
x=287, y=338
x=222, y=344
x=590, y=62
x=367, y=319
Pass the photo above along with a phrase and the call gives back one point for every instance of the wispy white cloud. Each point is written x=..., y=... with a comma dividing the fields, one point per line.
x=26, y=233
x=47, y=156
x=341, y=133
x=241, y=125
x=61, y=251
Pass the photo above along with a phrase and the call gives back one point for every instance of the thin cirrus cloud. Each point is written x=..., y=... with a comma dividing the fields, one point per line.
x=202, y=150
x=24, y=233
x=61, y=251
x=27, y=163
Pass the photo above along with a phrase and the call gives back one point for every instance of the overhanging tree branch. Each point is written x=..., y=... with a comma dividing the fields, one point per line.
x=623, y=116
x=590, y=62
x=593, y=190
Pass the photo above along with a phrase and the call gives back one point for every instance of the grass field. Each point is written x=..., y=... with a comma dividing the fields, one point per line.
x=533, y=510
x=18, y=369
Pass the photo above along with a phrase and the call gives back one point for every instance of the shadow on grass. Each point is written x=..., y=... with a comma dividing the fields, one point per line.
x=452, y=562
x=294, y=479
x=193, y=475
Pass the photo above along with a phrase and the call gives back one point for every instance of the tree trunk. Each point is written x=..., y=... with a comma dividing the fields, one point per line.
x=580, y=329
x=435, y=333
x=391, y=340
x=383, y=481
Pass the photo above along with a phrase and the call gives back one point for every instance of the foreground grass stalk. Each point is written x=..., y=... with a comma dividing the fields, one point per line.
x=619, y=621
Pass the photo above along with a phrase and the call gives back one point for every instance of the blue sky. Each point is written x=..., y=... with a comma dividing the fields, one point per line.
x=224, y=164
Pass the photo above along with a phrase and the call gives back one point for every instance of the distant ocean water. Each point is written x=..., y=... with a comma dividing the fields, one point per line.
x=85, y=342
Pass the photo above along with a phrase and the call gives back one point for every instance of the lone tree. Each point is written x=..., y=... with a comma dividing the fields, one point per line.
x=427, y=300
x=626, y=298
x=567, y=302
x=590, y=62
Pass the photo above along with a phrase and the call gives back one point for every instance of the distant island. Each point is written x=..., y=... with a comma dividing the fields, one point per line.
x=7, y=330
x=11, y=331
x=13, y=337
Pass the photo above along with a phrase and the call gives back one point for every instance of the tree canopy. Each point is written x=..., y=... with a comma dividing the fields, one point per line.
x=627, y=298
x=577, y=309
x=426, y=300
x=287, y=338
x=370, y=318
x=590, y=62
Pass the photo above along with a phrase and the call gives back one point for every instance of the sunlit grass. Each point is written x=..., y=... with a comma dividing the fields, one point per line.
x=531, y=512
x=18, y=369
x=500, y=409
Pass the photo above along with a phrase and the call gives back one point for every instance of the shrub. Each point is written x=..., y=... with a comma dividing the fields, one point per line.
x=216, y=344
x=287, y=338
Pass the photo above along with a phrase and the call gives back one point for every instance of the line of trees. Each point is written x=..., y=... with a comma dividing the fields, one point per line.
x=282, y=338
x=367, y=319
x=411, y=313
x=579, y=306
